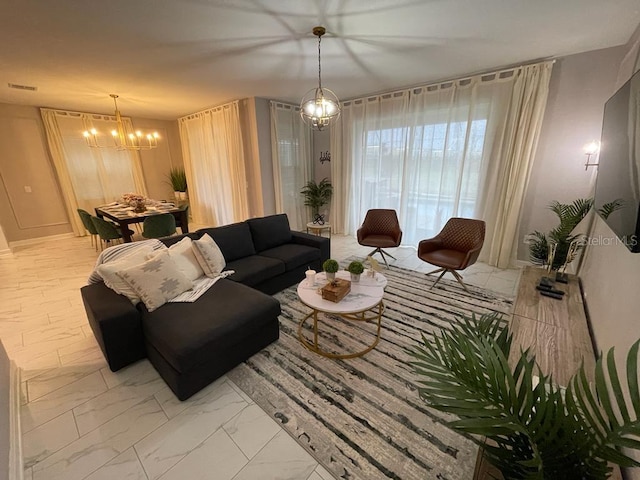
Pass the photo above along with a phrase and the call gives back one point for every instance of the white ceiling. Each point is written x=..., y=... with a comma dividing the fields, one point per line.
x=169, y=58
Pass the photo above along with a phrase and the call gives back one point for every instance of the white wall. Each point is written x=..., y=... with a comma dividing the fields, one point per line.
x=611, y=274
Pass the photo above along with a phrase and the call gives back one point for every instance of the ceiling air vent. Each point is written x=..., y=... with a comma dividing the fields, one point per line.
x=22, y=87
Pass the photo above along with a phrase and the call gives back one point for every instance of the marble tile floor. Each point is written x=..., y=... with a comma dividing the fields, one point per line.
x=82, y=421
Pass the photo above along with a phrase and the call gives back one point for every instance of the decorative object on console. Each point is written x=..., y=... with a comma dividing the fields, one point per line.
x=590, y=149
x=319, y=107
x=124, y=138
x=325, y=157
x=317, y=195
x=574, y=247
x=330, y=266
x=355, y=268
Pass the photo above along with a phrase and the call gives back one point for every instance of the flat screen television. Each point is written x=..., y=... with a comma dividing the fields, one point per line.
x=619, y=163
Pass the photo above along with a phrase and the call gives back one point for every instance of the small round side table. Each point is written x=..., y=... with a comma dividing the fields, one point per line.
x=317, y=229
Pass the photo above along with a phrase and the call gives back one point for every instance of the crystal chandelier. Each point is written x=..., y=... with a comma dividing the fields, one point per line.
x=319, y=107
x=123, y=137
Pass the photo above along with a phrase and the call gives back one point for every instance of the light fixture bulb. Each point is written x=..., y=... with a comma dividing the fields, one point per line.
x=592, y=147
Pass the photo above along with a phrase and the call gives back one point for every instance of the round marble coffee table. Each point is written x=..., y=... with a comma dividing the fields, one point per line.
x=362, y=304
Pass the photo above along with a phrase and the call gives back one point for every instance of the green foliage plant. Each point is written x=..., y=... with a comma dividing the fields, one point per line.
x=355, y=267
x=330, y=266
x=538, y=430
x=177, y=179
x=569, y=216
x=316, y=195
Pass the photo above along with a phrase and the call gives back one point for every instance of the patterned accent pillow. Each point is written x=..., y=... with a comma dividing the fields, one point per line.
x=209, y=255
x=183, y=255
x=109, y=272
x=116, y=252
x=157, y=280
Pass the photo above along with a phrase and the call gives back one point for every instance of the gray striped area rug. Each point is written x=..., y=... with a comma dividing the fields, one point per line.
x=362, y=418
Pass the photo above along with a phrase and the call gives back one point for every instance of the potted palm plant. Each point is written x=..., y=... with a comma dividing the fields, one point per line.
x=317, y=195
x=178, y=181
x=569, y=216
x=537, y=429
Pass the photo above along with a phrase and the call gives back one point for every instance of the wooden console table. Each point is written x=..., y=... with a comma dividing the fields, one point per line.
x=557, y=333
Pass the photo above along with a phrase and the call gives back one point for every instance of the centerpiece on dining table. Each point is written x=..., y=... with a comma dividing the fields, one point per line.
x=135, y=200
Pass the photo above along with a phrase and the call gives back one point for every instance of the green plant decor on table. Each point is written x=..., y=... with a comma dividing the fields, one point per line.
x=330, y=266
x=316, y=195
x=569, y=215
x=355, y=267
x=178, y=179
x=540, y=430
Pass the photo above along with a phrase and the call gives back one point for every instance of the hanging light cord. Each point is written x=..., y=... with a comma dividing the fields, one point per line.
x=319, y=64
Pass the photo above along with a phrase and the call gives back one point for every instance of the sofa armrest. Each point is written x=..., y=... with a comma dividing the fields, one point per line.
x=116, y=324
x=323, y=243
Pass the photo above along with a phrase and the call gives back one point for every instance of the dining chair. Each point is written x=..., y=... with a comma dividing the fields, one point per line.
x=85, y=217
x=158, y=226
x=380, y=229
x=456, y=247
x=107, y=231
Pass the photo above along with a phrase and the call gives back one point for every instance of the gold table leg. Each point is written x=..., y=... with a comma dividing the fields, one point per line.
x=375, y=314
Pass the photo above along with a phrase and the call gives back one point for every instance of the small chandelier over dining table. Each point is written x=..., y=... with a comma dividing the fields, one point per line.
x=319, y=107
x=123, y=137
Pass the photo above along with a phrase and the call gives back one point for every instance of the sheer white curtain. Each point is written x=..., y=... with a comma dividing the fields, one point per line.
x=214, y=162
x=440, y=151
x=292, y=161
x=89, y=176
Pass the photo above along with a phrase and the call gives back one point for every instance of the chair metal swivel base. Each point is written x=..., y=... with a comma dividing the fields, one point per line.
x=382, y=254
x=455, y=274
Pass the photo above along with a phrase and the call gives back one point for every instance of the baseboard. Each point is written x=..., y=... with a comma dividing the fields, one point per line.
x=5, y=252
x=34, y=241
x=16, y=469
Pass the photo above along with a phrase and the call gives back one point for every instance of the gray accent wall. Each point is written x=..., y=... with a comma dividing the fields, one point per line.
x=580, y=85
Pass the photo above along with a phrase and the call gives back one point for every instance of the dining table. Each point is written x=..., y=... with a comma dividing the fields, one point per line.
x=124, y=215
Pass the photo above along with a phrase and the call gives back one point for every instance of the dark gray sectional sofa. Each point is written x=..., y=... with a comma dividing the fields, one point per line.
x=192, y=344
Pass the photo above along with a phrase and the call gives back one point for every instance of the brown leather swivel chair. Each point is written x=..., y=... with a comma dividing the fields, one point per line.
x=456, y=247
x=380, y=229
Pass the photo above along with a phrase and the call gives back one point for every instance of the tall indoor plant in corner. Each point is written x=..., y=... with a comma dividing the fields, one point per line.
x=316, y=195
x=539, y=430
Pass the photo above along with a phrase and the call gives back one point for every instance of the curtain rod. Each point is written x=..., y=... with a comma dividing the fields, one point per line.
x=458, y=79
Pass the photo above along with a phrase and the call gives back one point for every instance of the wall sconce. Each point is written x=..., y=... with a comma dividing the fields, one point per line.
x=325, y=157
x=590, y=149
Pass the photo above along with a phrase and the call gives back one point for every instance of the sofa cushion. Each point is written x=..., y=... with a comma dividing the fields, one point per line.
x=293, y=255
x=269, y=232
x=186, y=334
x=183, y=256
x=109, y=271
x=157, y=280
x=234, y=240
x=209, y=256
x=255, y=269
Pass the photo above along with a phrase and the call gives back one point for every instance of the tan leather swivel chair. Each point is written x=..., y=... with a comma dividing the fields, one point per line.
x=380, y=229
x=456, y=247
